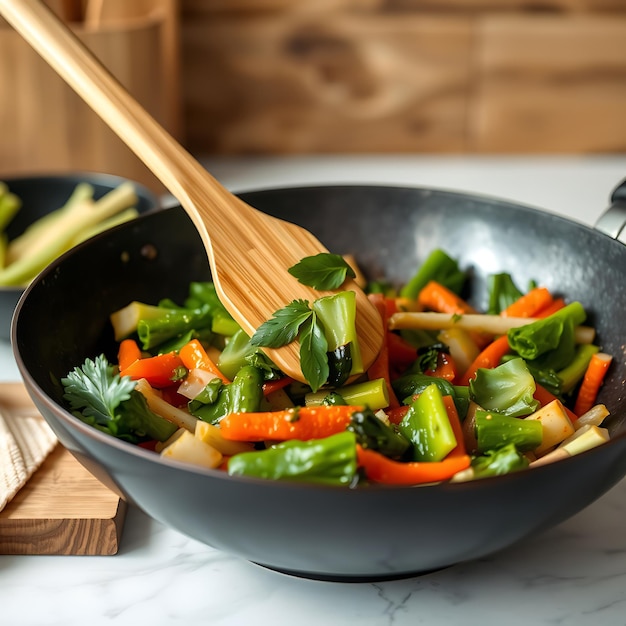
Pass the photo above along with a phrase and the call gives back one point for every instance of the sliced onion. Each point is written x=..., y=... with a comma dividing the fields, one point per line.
x=195, y=382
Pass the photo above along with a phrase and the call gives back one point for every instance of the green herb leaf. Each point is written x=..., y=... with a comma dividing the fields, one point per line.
x=96, y=391
x=100, y=397
x=283, y=327
x=322, y=271
x=313, y=353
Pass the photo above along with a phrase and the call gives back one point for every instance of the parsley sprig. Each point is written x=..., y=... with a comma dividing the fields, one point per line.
x=298, y=321
x=323, y=271
x=102, y=398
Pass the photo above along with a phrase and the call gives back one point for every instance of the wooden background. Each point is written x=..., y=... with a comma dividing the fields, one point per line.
x=255, y=77
x=443, y=76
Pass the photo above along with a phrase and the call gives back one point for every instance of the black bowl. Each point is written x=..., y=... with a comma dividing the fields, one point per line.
x=374, y=532
x=41, y=194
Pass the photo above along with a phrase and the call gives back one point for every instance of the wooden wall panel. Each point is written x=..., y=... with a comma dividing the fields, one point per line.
x=547, y=84
x=306, y=84
x=243, y=7
x=462, y=76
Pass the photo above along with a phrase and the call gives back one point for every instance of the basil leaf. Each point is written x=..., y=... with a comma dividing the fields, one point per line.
x=283, y=327
x=313, y=353
x=322, y=271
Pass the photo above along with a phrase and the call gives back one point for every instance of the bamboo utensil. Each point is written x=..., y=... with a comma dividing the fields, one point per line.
x=249, y=252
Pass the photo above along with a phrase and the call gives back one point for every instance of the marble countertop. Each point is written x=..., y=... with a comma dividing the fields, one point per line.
x=573, y=574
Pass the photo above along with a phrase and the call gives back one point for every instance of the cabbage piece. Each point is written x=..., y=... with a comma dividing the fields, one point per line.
x=506, y=389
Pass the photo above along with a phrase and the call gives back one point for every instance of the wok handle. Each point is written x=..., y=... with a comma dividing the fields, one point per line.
x=613, y=221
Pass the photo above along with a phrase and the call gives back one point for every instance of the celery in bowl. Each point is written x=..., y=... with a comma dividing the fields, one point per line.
x=43, y=216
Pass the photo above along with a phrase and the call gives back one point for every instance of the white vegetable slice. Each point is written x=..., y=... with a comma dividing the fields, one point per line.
x=556, y=424
x=190, y=449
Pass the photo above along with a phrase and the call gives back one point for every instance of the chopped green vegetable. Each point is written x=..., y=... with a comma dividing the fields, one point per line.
x=409, y=385
x=337, y=313
x=329, y=461
x=572, y=374
x=374, y=434
x=507, y=389
x=213, y=405
x=243, y=395
x=155, y=325
x=427, y=426
x=554, y=332
x=500, y=461
x=546, y=377
x=333, y=398
x=246, y=390
x=371, y=393
x=502, y=292
x=324, y=271
x=233, y=356
x=222, y=322
x=440, y=267
x=110, y=403
x=494, y=430
x=427, y=357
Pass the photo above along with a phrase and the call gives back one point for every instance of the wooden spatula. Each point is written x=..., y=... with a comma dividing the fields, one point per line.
x=249, y=252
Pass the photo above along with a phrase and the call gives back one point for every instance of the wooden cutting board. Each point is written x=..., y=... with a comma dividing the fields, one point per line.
x=62, y=509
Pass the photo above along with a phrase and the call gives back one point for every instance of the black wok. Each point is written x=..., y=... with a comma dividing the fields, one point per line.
x=328, y=533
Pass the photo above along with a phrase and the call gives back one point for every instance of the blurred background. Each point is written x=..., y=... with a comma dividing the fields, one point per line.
x=315, y=77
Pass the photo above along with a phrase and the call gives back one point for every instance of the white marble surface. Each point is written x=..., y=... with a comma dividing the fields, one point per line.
x=574, y=574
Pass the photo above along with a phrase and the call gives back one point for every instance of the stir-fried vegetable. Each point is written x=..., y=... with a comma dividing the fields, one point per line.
x=454, y=394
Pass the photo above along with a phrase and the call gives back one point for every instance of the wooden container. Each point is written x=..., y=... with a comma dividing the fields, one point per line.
x=46, y=127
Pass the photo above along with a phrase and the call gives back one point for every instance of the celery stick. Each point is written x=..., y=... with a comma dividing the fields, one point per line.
x=371, y=393
x=125, y=216
x=10, y=204
x=59, y=233
x=574, y=372
x=22, y=244
x=3, y=249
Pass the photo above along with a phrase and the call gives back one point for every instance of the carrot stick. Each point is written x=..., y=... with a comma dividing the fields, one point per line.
x=194, y=356
x=128, y=352
x=457, y=428
x=380, y=366
x=381, y=469
x=436, y=297
x=528, y=304
x=307, y=422
x=545, y=397
x=488, y=358
x=159, y=371
x=592, y=381
x=553, y=307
